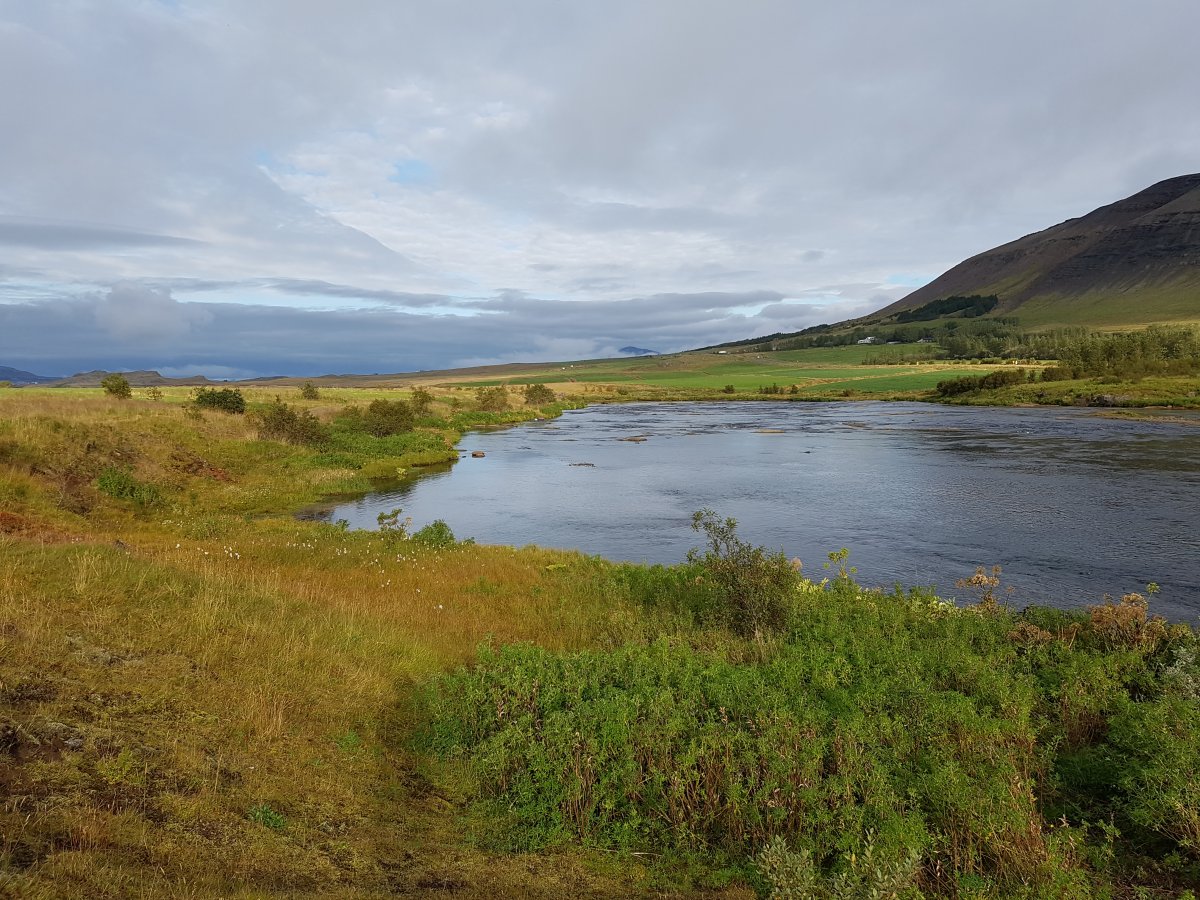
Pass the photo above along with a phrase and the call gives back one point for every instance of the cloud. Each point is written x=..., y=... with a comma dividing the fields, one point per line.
x=136, y=327
x=18, y=231
x=134, y=312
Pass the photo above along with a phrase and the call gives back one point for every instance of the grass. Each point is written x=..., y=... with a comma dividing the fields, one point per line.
x=201, y=696
x=820, y=372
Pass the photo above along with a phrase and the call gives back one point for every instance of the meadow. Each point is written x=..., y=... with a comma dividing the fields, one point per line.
x=203, y=696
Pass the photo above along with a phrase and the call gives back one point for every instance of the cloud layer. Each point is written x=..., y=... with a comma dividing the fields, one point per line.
x=297, y=188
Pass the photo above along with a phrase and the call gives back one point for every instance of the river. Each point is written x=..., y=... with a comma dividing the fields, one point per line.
x=1071, y=504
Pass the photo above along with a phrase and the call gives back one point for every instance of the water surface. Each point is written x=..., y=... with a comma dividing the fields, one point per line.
x=1071, y=504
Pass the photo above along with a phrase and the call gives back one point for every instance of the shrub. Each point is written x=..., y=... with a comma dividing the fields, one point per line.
x=538, y=395
x=421, y=401
x=308, y=391
x=436, y=534
x=382, y=418
x=729, y=389
x=281, y=422
x=116, y=385
x=968, y=384
x=756, y=587
x=228, y=400
x=492, y=399
x=154, y=393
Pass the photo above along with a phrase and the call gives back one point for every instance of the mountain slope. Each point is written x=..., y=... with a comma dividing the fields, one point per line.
x=1136, y=261
x=20, y=376
x=141, y=378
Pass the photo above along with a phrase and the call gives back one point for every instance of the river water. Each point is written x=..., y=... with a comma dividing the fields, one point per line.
x=1070, y=504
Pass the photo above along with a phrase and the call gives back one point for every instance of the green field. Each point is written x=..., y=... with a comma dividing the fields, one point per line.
x=814, y=371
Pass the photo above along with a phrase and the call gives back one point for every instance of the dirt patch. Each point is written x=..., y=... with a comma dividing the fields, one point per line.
x=189, y=463
x=19, y=526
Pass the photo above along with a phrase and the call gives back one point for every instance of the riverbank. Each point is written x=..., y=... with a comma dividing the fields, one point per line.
x=202, y=696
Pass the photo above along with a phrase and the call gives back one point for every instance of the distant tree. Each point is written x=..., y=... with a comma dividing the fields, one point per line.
x=538, y=395
x=729, y=389
x=116, y=385
x=308, y=391
x=154, y=393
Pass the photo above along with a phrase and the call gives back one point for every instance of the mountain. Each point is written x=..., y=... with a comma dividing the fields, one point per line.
x=638, y=351
x=143, y=378
x=21, y=377
x=1135, y=261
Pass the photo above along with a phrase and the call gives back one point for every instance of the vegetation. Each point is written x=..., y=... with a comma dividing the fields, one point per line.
x=967, y=307
x=538, y=395
x=116, y=385
x=228, y=400
x=202, y=696
x=308, y=391
x=281, y=422
x=492, y=399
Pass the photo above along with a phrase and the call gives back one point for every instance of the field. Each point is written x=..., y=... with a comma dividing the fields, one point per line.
x=816, y=373
x=203, y=696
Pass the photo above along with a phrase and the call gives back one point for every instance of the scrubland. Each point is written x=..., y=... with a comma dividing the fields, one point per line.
x=203, y=696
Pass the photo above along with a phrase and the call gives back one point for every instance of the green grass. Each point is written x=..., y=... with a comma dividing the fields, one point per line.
x=814, y=370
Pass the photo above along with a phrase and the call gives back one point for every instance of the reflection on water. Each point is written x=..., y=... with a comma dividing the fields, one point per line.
x=1069, y=503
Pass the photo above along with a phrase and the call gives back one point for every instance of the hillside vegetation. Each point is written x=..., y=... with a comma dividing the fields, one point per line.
x=202, y=696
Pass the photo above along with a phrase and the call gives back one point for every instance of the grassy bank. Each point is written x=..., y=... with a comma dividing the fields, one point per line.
x=202, y=696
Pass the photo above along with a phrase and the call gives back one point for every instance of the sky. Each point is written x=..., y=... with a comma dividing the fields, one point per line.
x=296, y=187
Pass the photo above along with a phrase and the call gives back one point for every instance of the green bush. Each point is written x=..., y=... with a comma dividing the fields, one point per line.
x=969, y=384
x=308, y=391
x=381, y=418
x=538, y=395
x=756, y=588
x=876, y=746
x=436, y=534
x=492, y=399
x=116, y=385
x=282, y=422
x=421, y=401
x=228, y=400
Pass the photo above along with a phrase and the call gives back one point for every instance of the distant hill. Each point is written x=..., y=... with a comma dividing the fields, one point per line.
x=638, y=351
x=1136, y=261
x=142, y=378
x=20, y=376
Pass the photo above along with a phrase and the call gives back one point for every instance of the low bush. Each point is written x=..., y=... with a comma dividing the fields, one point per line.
x=876, y=745
x=538, y=395
x=381, y=418
x=972, y=383
x=282, y=422
x=756, y=588
x=228, y=400
x=492, y=399
x=436, y=534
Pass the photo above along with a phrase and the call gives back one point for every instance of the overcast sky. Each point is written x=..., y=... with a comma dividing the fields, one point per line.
x=300, y=187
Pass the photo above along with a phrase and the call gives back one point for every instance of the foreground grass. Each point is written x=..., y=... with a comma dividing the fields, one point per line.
x=201, y=696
